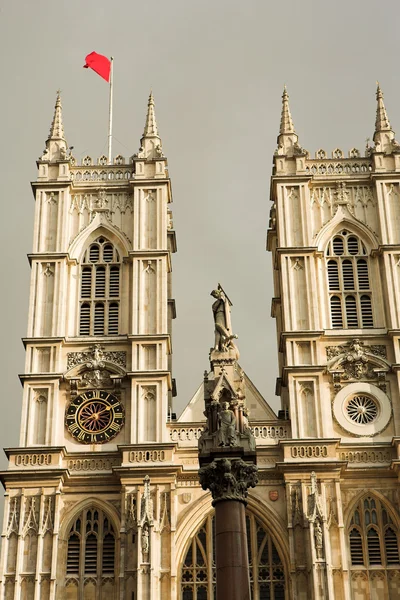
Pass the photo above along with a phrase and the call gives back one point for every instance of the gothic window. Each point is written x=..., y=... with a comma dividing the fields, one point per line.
x=91, y=550
x=373, y=539
x=100, y=290
x=267, y=575
x=348, y=281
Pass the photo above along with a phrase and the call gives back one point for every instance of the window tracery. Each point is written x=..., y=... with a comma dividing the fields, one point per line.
x=267, y=575
x=373, y=540
x=348, y=280
x=91, y=552
x=100, y=289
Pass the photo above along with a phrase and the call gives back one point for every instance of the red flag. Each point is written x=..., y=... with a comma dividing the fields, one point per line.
x=99, y=63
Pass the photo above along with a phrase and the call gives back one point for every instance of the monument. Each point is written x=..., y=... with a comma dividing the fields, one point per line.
x=227, y=454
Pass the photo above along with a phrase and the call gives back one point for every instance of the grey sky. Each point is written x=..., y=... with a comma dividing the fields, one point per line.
x=217, y=69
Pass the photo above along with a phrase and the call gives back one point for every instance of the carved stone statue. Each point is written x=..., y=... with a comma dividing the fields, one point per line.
x=145, y=541
x=223, y=331
x=226, y=426
x=318, y=538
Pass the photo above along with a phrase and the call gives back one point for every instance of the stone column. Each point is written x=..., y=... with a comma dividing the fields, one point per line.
x=228, y=478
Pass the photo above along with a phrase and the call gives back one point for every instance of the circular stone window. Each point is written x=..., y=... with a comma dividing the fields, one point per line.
x=362, y=409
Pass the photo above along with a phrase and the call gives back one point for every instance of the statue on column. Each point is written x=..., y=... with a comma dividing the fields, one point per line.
x=226, y=435
x=222, y=320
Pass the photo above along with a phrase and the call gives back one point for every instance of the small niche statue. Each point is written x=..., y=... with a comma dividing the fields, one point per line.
x=222, y=320
x=226, y=426
x=318, y=538
x=145, y=542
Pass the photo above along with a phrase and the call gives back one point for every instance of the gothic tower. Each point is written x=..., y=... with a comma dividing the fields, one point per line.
x=97, y=386
x=103, y=498
x=334, y=236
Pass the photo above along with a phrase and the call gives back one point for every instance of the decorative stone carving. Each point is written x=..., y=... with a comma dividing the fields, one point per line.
x=48, y=269
x=298, y=263
x=228, y=479
x=314, y=504
x=31, y=516
x=52, y=198
x=95, y=357
x=331, y=520
x=131, y=514
x=149, y=269
x=13, y=519
x=150, y=196
x=145, y=541
x=226, y=432
x=47, y=522
x=146, y=506
x=297, y=513
x=165, y=512
x=222, y=321
x=357, y=361
x=342, y=195
x=318, y=538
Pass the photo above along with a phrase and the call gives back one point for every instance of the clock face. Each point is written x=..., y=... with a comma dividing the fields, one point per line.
x=94, y=417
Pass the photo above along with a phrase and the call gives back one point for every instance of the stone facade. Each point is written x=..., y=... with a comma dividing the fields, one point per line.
x=103, y=498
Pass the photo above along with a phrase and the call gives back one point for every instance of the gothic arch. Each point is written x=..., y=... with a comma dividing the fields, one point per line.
x=344, y=219
x=95, y=229
x=81, y=557
x=91, y=502
x=370, y=492
x=270, y=520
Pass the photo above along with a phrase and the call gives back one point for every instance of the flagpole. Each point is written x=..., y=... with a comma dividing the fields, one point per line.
x=110, y=111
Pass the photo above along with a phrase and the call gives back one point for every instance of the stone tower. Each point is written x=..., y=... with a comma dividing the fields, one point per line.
x=103, y=498
x=334, y=235
x=97, y=382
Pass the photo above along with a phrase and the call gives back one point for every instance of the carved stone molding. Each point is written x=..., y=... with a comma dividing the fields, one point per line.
x=94, y=356
x=228, y=479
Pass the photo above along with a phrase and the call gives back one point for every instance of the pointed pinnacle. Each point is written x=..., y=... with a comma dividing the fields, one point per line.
x=286, y=117
x=150, y=128
x=382, y=121
x=57, y=128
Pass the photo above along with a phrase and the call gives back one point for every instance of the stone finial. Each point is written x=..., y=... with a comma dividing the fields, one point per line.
x=150, y=128
x=57, y=127
x=382, y=121
x=383, y=135
x=150, y=143
x=286, y=117
x=56, y=144
x=287, y=139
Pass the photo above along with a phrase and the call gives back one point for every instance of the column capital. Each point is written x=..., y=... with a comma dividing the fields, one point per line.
x=228, y=479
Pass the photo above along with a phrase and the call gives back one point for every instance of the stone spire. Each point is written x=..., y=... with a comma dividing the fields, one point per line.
x=151, y=147
x=57, y=127
x=56, y=144
x=286, y=117
x=150, y=128
x=287, y=138
x=383, y=134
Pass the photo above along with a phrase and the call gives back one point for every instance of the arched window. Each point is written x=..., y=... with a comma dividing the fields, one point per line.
x=373, y=540
x=267, y=575
x=100, y=290
x=91, y=552
x=348, y=282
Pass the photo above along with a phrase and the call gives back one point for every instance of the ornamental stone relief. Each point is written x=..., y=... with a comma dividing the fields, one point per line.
x=13, y=520
x=31, y=515
x=95, y=355
x=356, y=361
x=112, y=202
